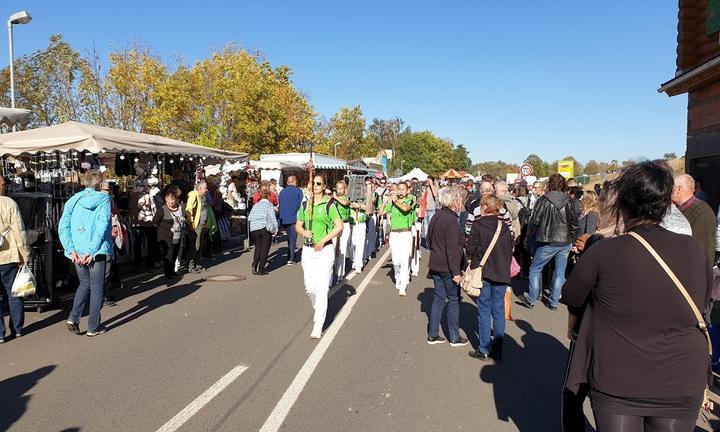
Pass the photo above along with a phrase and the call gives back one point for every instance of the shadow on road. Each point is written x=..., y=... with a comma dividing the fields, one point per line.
x=13, y=400
x=159, y=299
x=527, y=384
x=468, y=316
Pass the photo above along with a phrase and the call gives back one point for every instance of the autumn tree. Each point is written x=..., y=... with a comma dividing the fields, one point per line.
x=46, y=83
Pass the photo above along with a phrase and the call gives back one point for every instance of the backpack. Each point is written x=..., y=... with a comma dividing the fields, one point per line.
x=524, y=214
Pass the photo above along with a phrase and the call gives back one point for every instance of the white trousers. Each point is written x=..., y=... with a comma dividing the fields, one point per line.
x=400, y=248
x=358, y=246
x=317, y=272
x=371, y=237
x=415, y=262
x=342, y=250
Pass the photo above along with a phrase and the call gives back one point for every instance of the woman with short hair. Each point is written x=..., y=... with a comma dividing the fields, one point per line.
x=263, y=225
x=170, y=222
x=490, y=235
x=446, y=250
x=85, y=231
x=640, y=348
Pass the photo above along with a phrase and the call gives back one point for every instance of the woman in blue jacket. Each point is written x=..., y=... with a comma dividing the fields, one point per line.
x=86, y=235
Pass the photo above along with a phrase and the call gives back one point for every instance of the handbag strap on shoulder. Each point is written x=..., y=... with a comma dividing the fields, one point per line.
x=698, y=316
x=494, y=240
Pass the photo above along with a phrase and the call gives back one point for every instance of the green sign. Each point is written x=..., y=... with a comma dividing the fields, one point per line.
x=712, y=17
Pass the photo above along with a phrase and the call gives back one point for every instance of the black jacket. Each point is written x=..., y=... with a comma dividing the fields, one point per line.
x=554, y=219
x=446, y=242
x=497, y=267
x=164, y=221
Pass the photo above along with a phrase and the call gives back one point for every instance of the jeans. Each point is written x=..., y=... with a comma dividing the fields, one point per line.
x=445, y=288
x=262, y=239
x=17, y=315
x=92, y=285
x=544, y=253
x=426, y=221
x=491, y=304
x=292, y=240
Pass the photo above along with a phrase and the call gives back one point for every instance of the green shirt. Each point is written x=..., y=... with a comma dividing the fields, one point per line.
x=358, y=216
x=398, y=219
x=344, y=211
x=323, y=218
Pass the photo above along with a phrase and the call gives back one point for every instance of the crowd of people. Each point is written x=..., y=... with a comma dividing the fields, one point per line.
x=632, y=259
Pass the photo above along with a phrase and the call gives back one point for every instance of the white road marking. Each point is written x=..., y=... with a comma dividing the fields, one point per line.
x=202, y=400
x=283, y=407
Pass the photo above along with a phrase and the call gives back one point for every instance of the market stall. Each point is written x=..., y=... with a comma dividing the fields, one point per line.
x=332, y=168
x=45, y=165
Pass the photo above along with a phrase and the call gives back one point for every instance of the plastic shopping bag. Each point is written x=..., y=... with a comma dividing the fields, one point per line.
x=24, y=284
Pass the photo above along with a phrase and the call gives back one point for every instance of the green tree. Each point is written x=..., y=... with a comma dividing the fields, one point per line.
x=669, y=156
x=385, y=134
x=592, y=167
x=46, y=82
x=424, y=150
x=540, y=167
x=461, y=158
x=347, y=130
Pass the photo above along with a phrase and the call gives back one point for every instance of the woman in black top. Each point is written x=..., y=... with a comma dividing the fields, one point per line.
x=170, y=222
x=496, y=276
x=446, y=251
x=643, y=357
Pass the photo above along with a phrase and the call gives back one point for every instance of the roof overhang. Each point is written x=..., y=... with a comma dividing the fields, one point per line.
x=693, y=78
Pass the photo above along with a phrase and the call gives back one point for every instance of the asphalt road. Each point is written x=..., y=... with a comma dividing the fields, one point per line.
x=175, y=357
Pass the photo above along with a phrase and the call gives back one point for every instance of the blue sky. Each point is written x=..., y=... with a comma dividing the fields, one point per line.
x=504, y=78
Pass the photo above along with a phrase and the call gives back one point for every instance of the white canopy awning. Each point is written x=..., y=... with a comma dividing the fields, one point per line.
x=320, y=161
x=95, y=139
x=415, y=173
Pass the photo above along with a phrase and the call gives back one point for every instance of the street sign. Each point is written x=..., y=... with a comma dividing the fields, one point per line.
x=526, y=170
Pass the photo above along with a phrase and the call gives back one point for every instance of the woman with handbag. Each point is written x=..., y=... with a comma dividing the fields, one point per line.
x=644, y=351
x=14, y=251
x=489, y=248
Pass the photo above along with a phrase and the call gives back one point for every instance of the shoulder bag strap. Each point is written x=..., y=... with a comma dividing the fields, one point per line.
x=486, y=256
x=698, y=316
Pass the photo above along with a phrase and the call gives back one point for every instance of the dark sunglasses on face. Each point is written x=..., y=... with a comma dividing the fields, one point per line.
x=319, y=184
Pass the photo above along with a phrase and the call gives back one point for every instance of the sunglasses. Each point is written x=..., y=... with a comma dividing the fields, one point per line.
x=319, y=184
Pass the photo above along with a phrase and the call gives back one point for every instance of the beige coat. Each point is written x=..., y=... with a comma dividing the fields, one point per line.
x=15, y=245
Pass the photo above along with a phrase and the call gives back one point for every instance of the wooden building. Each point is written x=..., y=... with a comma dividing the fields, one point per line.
x=698, y=75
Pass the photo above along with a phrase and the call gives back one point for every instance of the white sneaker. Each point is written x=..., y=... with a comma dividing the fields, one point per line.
x=403, y=292
x=415, y=274
x=316, y=334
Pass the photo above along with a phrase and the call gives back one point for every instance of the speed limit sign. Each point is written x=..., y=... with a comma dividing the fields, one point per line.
x=526, y=170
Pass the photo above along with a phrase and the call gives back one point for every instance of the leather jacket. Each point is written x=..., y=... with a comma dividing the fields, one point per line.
x=554, y=219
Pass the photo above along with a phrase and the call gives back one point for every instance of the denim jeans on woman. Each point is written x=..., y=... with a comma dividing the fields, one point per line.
x=543, y=255
x=445, y=288
x=92, y=285
x=491, y=309
x=17, y=315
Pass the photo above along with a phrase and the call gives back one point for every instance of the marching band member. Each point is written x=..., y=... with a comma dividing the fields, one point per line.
x=343, y=206
x=402, y=217
x=359, y=217
x=318, y=225
x=371, y=237
x=416, y=232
